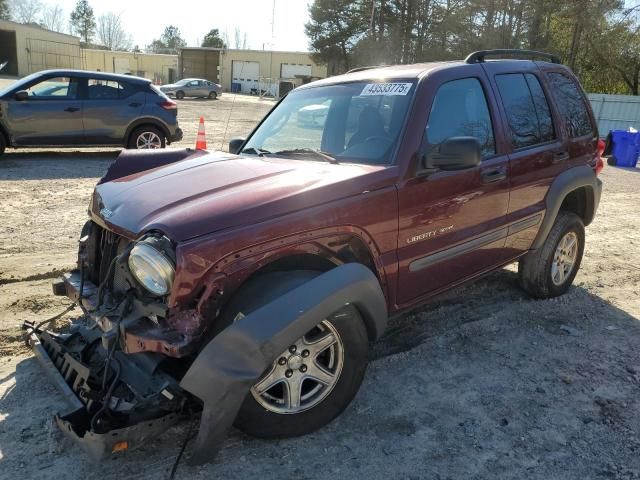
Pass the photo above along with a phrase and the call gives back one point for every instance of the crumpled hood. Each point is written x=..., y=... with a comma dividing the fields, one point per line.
x=215, y=191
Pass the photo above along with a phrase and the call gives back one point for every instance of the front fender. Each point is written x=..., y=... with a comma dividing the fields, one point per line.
x=224, y=371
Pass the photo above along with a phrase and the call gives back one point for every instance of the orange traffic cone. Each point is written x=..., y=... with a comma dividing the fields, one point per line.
x=201, y=139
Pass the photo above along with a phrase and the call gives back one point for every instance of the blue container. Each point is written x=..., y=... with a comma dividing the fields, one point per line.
x=626, y=147
x=236, y=87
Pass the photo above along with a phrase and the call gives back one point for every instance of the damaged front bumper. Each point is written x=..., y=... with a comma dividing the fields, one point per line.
x=119, y=400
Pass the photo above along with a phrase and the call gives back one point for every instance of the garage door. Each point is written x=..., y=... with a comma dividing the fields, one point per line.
x=247, y=74
x=288, y=70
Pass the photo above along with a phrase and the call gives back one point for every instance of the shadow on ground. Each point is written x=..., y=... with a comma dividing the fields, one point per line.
x=484, y=383
x=54, y=165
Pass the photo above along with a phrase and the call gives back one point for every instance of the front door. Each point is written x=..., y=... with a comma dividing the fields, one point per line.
x=50, y=115
x=453, y=223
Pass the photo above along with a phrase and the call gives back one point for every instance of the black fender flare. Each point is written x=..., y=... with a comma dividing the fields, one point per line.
x=565, y=183
x=227, y=367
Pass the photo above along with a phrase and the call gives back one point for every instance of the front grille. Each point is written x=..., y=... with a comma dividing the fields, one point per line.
x=106, y=246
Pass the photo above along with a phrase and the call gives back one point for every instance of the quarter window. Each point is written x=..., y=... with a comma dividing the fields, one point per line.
x=526, y=108
x=460, y=109
x=571, y=105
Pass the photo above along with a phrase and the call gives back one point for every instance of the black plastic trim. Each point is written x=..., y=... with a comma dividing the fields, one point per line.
x=458, y=250
x=224, y=371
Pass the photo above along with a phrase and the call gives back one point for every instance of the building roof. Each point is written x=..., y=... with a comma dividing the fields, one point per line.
x=16, y=25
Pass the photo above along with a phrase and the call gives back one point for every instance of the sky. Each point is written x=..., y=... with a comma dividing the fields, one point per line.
x=145, y=20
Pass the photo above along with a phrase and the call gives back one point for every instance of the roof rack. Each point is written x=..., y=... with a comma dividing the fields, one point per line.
x=479, y=56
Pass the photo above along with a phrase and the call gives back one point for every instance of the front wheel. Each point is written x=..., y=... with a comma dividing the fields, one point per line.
x=550, y=270
x=213, y=95
x=314, y=379
x=180, y=95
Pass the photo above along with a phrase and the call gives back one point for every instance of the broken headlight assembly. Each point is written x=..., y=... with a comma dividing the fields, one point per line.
x=151, y=266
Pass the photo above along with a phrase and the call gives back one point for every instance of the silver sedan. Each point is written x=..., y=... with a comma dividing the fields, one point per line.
x=192, y=87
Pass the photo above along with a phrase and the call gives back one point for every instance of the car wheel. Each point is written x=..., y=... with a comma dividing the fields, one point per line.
x=180, y=95
x=3, y=143
x=213, y=95
x=612, y=161
x=146, y=138
x=549, y=271
x=314, y=379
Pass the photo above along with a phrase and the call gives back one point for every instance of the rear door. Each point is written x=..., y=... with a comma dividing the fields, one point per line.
x=109, y=107
x=51, y=115
x=538, y=149
x=452, y=223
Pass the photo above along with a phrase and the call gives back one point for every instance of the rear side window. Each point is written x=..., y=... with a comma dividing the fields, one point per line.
x=571, y=105
x=108, y=90
x=460, y=110
x=526, y=108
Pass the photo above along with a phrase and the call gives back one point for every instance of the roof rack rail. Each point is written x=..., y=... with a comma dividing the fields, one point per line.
x=360, y=69
x=479, y=56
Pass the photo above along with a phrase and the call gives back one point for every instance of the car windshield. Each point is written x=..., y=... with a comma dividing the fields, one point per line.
x=183, y=81
x=352, y=122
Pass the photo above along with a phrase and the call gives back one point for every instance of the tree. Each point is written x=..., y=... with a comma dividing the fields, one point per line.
x=52, y=18
x=169, y=42
x=240, y=39
x=26, y=11
x=111, y=34
x=4, y=10
x=213, y=39
x=334, y=29
x=83, y=21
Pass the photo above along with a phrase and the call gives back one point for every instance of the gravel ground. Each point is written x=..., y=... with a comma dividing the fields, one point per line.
x=482, y=383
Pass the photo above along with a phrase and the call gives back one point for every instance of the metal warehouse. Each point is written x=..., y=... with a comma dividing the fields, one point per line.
x=249, y=71
x=29, y=48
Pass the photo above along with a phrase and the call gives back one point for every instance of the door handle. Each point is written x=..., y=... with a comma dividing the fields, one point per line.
x=71, y=109
x=135, y=104
x=494, y=175
x=560, y=157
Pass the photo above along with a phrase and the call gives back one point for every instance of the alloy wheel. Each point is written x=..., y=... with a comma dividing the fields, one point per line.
x=564, y=259
x=148, y=140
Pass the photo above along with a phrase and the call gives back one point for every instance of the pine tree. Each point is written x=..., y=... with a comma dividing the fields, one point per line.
x=83, y=21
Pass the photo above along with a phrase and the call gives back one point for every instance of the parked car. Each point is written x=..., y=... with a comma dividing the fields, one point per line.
x=193, y=87
x=251, y=284
x=71, y=108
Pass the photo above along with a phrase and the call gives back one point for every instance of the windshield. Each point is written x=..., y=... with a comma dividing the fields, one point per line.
x=183, y=81
x=352, y=122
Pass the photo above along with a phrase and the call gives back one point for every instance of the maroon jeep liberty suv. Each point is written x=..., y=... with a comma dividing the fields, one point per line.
x=247, y=287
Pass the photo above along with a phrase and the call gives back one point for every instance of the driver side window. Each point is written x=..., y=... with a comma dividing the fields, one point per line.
x=57, y=88
x=460, y=109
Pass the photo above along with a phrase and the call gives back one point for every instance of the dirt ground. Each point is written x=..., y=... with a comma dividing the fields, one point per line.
x=483, y=383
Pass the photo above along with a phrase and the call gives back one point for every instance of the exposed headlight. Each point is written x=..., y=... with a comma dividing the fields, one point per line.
x=151, y=268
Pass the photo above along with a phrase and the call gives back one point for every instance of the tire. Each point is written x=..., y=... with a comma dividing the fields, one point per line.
x=213, y=95
x=3, y=143
x=179, y=94
x=263, y=416
x=612, y=161
x=146, y=135
x=543, y=273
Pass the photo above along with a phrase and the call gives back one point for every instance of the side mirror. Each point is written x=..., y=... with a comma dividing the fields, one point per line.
x=21, y=95
x=235, y=144
x=455, y=153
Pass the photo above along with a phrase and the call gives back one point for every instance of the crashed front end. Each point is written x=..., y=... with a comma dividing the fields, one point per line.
x=119, y=366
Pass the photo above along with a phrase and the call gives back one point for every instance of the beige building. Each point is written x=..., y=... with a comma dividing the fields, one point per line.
x=248, y=71
x=159, y=68
x=29, y=48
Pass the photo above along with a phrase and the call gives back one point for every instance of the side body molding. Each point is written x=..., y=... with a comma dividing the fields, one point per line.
x=568, y=181
x=224, y=371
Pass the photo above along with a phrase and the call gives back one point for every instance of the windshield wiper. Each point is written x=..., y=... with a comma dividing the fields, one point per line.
x=255, y=151
x=319, y=153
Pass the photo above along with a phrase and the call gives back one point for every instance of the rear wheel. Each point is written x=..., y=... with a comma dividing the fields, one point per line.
x=315, y=378
x=3, y=143
x=146, y=138
x=550, y=270
x=612, y=161
x=213, y=95
x=179, y=94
